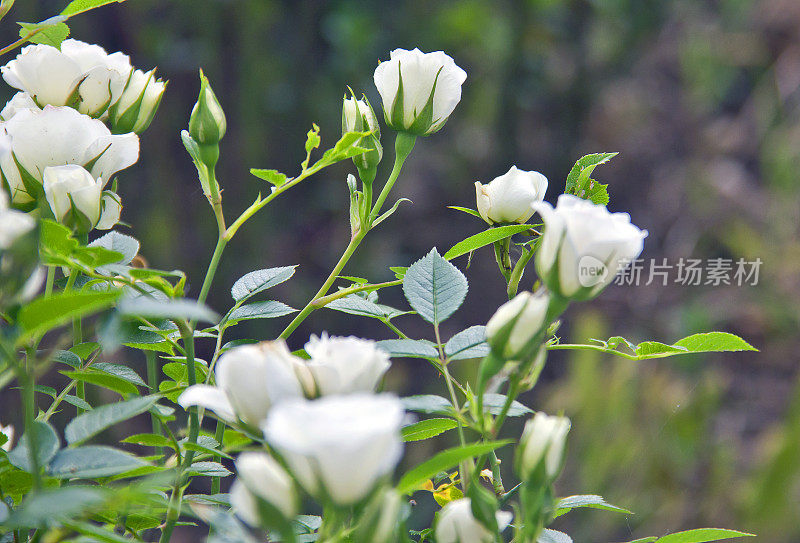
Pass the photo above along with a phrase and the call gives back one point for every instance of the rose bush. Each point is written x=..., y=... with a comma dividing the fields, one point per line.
x=309, y=430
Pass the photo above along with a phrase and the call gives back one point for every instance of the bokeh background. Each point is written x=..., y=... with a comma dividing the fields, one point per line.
x=701, y=99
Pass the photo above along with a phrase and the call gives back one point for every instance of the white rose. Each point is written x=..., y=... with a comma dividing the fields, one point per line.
x=543, y=439
x=431, y=89
x=342, y=365
x=55, y=136
x=13, y=223
x=138, y=103
x=517, y=322
x=71, y=188
x=44, y=72
x=338, y=446
x=111, y=206
x=250, y=380
x=584, y=246
x=104, y=75
x=7, y=431
x=20, y=101
x=508, y=198
x=456, y=524
x=259, y=476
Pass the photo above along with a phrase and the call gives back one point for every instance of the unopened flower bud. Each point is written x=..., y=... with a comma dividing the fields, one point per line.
x=207, y=124
x=516, y=324
x=358, y=116
x=543, y=441
x=138, y=103
x=74, y=196
x=509, y=197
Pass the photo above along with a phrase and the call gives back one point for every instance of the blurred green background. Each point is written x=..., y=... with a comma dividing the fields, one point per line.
x=701, y=99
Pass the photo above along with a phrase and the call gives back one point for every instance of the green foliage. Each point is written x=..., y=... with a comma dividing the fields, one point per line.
x=469, y=343
x=434, y=287
x=701, y=535
x=143, y=306
x=426, y=429
x=257, y=281
x=47, y=445
x=581, y=184
x=487, y=237
x=409, y=348
x=44, y=314
x=79, y=6
x=442, y=462
x=47, y=33
x=95, y=421
x=706, y=342
x=565, y=505
x=363, y=306
x=92, y=462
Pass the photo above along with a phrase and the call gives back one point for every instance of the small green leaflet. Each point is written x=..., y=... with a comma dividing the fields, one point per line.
x=44, y=313
x=426, y=429
x=51, y=32
x=92, y=461
x=434, y=287
x=444, y=461
x=707, y=342
x=256, y=281
x=79, y=6
x=47, y=444
x=702, y=535
x=95, y=421
x=484, y=238
x=565, y=505
x=582, y=185
x=270, y=176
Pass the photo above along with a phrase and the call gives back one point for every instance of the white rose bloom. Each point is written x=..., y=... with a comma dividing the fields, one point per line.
x=431, y=89
x=338, y=446
x=104, y=75
x=44, y=72
x=543, y=439
x=56, y=136
x=508, y=198
x=8, y=431
x=584, y=246
x=456, y=524
x=343, y=365
x=71, y=186
x=259, y=476
x=525, y=314
x=13, y=223
x=250, y=380
x=138, y=103
x=111, y=206
x=20, y=101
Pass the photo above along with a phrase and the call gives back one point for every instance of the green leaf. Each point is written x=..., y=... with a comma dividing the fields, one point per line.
x=149, y=440
x=469, y=343
x=714, y=342
x=409, y=348
x=144, y=306
x=51, y=32
x=270, y=176
x=123, y=372
x=92, y=461
x=444, y=461
x=565, y=505
x=260, y=310
x=102, y=379
x=346, y=147
x=209, y=469
x=553, y=536
x=79, y=6
x=578, y=177
x=484, y=238
x=47, y=445
x=429, y=404
x=95, y=421
x=702, y=535
x=80, y=403
x=49, y=506
x=354, y=304
x=493, y=404
x=312, y=142
x=426, y=429
x=466, y=210
x=67, y=357
x=126, y=246
x=44, y=314
x=434, y=287
x=260, y=280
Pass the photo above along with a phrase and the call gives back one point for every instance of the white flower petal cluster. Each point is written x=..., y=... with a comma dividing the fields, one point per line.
x=517, y=322
x=456, y=524
x=13, y=223
x=419, y=90
x=58, y=136
x=250, y=380
x=584, y=246
x=86, y=77
x=509, y=197
x=344, y=365
x=260, y=477
x=338, y=447
x=543, y=440
x=357, y=116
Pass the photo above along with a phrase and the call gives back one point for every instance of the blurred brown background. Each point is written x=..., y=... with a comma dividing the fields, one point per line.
x=701, y=99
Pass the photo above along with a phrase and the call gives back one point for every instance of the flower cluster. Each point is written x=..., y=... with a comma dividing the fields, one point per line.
x=71, y=128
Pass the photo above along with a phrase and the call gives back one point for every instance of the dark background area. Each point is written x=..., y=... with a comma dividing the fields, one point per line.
x=700, y=99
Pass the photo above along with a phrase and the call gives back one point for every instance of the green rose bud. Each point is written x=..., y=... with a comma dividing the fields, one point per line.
x=207, y=124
